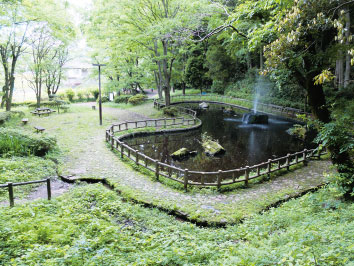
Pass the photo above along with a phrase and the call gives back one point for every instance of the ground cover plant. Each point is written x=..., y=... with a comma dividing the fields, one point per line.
x=21, y=143
x=97, y=228
x=23, y=169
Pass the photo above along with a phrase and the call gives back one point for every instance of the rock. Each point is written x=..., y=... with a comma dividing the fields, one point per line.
x=182, y=154
x=204, y=105
x=229, y=111
x=251, y=118
x=212, y=148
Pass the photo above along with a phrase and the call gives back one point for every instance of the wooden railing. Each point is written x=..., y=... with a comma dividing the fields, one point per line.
x=195, y=178
x=236, y=102
x=11, y=186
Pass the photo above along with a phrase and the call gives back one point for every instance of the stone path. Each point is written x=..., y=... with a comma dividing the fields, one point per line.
x=89, y=156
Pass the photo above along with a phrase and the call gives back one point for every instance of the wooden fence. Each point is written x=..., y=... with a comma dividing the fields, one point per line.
x=232, y=102
x=11, y=186
x=195, y=178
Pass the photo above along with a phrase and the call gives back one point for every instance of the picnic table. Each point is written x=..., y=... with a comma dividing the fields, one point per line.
x=42, y=111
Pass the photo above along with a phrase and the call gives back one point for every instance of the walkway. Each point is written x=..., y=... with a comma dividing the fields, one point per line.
x=88, y=156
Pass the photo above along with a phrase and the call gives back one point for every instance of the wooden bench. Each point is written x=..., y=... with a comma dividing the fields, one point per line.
x=43, y=111
x=24, y=121
x=39, y=129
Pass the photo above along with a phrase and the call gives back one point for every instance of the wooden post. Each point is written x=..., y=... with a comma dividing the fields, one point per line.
x=319, y=153
x=136, y=124
x=164, y=123
x=288, y=162
x=247, y=175
x=296, y=158
x=112, y=142
x=185, y=180
x=258, y=171
x=128, y=153
x=11, y=194
x=155, y=123
x=278, y=164
x=146, y=162
x=157, y=171
x=137, y=157
x=119, y=127
x=219, y=179
x=121, y=151
x=126, y=125
x=49, y=191
x=269, y=167
x=304, y=157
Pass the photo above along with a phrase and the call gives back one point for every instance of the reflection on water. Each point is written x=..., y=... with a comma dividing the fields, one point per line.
x=244, y=144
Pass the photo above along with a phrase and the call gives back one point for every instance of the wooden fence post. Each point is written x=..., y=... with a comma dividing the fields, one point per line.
x=11, y=194
x=219, y=179
x=288, y=162
x=157, y=171
x=247, y=175
x=137, y=157
x=185, y=180
x=49, y=191
x=304, y=157
x=269, y=167
x=122, y=151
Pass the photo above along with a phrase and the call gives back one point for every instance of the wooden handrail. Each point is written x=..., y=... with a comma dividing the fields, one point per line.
x=10, y=186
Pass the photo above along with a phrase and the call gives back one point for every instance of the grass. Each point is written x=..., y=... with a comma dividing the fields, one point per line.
x=81, y=141
x=94, y=226
x=23, y=169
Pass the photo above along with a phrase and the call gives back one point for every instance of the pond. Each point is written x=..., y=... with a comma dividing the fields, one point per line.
x=244, y=144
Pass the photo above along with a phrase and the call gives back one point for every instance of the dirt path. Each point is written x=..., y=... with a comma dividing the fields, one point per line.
x=87, y=155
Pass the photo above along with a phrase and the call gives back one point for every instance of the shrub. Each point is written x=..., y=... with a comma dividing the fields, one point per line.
x=122, y=99
x=95, y=93
x=20, y=143
x=70, y=94
x=4, y=116
x=137, y=99
x=104, y=99
x=170, y=111
x=80, y=95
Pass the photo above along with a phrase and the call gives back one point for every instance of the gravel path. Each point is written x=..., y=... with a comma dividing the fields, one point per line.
x=89, y=156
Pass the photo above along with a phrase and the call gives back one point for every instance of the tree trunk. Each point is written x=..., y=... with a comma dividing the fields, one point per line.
x=347, y=56
x=341, y=160
x=261, y=60
x=340, y=71
x=166, y=73
x=184, y=88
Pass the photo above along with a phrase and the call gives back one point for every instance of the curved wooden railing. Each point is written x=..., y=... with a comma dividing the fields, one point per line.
x=195, y=178
x=234, y=102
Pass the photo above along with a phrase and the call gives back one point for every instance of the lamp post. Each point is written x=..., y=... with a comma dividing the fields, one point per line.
x=99, y=90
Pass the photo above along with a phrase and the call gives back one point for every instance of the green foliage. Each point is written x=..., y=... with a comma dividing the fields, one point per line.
x=23, y=169
x=170, y=111
x=15, y=142
x=4, y=116
x=122, y=99
x=95, y=93
x=137, y=99
x=93, y=226
x=104, y=99
x=70, y=94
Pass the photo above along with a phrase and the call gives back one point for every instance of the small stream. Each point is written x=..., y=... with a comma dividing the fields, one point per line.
x=244, y=144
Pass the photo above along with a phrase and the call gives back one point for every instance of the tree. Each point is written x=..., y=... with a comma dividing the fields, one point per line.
x=53, y=71
x=306, y=47
x=13, y=34
x=154, y=30
x=41, y=43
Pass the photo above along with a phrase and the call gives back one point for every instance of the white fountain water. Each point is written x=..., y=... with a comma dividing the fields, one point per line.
x=259, y=89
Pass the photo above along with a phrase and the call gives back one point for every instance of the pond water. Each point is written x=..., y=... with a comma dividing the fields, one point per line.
x=244, y=144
